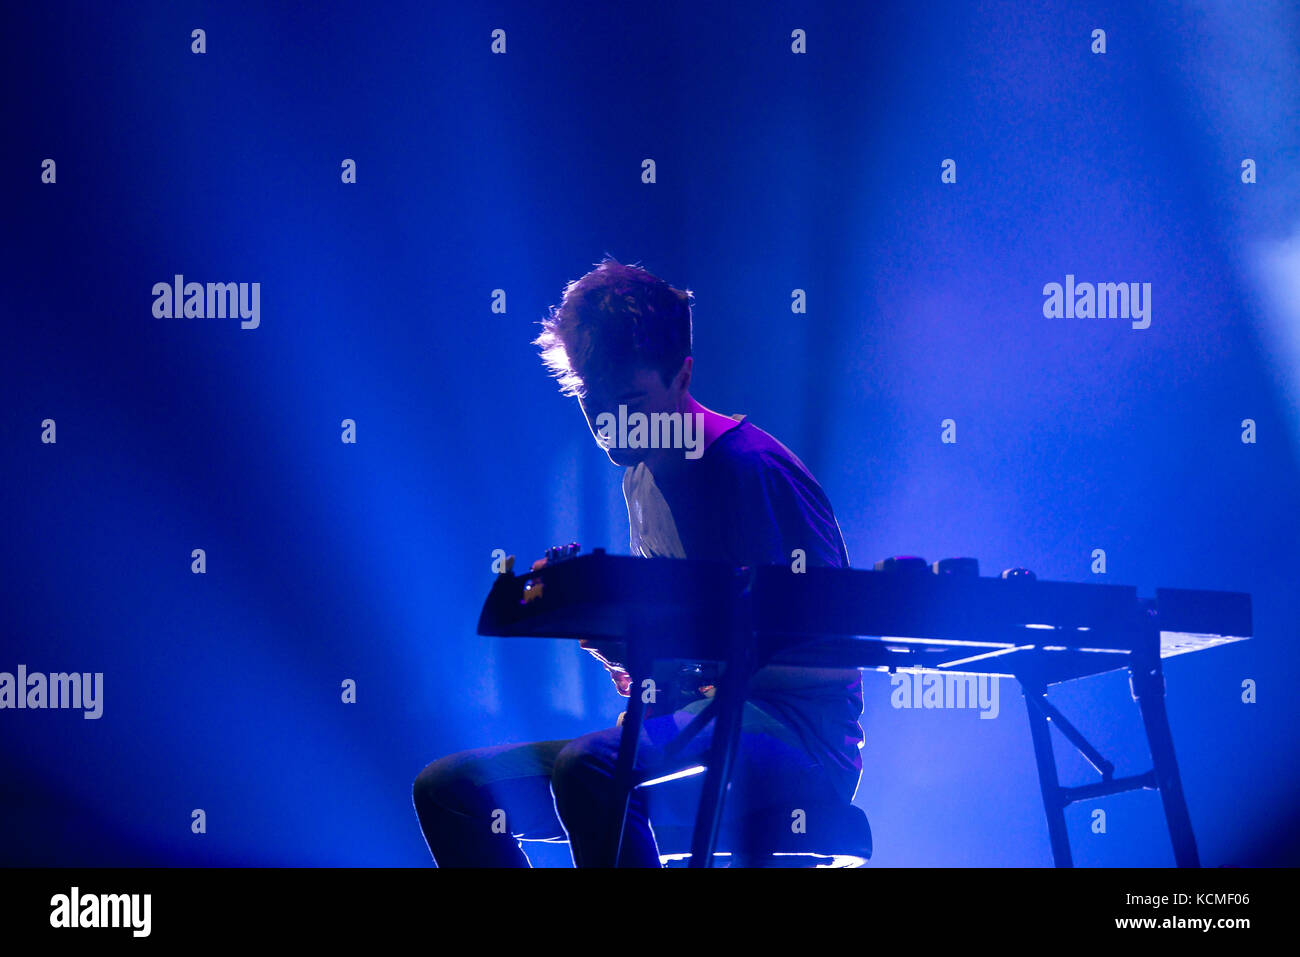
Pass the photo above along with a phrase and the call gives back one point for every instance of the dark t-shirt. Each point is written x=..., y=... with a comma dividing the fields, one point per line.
x=749, y=501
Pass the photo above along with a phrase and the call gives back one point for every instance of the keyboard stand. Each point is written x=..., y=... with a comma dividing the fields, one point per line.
x=1146, y=681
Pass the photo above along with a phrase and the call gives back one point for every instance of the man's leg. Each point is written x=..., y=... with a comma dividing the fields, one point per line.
x=771, y=769
x=475, y=806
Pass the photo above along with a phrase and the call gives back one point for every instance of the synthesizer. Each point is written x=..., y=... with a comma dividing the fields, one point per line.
x=904, y=613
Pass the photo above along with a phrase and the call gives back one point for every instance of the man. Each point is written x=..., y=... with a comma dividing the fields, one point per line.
x=621, y=343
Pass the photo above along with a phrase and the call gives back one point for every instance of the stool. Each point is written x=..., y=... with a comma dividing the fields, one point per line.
x=836, y=835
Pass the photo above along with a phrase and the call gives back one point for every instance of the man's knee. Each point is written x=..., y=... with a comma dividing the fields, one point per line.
x=584, y=772
x=445, y=785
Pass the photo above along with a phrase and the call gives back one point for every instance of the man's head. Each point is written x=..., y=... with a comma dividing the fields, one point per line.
x=620, y=336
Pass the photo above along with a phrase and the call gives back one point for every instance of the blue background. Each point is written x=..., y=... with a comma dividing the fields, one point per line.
x=477, y=172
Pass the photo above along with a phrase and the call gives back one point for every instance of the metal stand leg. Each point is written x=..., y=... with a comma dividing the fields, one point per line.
x=1148, y=684
x=726, y=736
x=733, y=690
x=639, y=668
x=1048, y=781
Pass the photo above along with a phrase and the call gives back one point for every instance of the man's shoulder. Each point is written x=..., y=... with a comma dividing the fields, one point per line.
x=748, y=447
x=768, y=480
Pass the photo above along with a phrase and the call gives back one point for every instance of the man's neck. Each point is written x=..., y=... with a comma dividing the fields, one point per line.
x=660, y=461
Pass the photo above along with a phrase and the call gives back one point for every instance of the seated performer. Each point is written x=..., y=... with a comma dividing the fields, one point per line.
x=622, y=337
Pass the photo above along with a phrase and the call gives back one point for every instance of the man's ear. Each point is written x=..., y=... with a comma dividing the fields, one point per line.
x=682, y=380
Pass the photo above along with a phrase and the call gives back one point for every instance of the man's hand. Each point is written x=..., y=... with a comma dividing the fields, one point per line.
x=622, y=680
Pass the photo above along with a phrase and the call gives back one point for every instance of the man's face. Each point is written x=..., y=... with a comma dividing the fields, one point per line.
x=640, y=391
